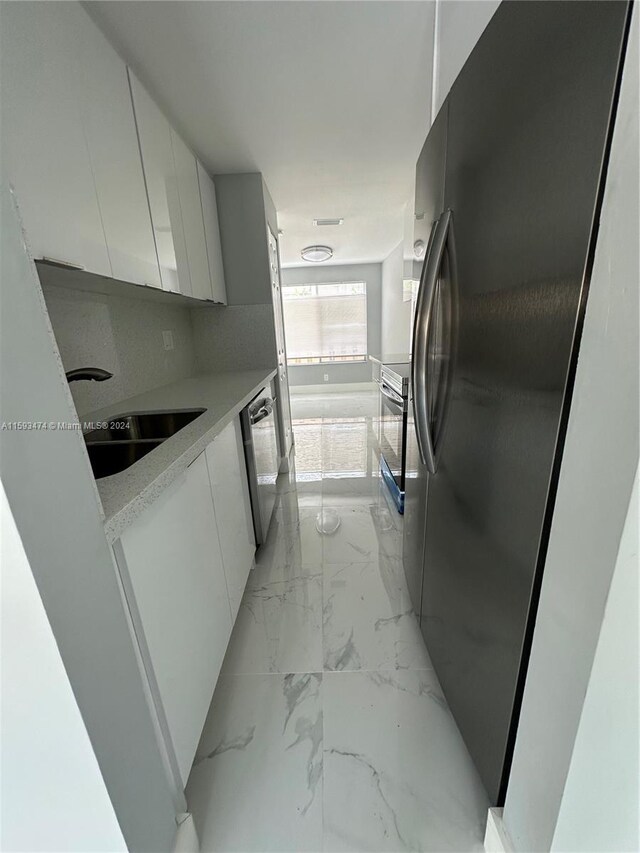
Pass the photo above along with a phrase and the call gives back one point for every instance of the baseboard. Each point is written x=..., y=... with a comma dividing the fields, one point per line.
x=496, y=838
x=186, y=836
x=332, y=387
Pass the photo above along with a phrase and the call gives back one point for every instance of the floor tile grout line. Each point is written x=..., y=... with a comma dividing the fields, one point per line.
x=363, y=671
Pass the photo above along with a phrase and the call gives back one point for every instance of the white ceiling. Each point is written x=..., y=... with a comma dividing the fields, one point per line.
x=329, y=100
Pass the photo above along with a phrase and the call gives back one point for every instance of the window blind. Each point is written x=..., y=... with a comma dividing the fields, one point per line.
x=325, y=322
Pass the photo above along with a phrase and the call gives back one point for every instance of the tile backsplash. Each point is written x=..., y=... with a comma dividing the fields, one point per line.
x=122, y=335
x=238, y=337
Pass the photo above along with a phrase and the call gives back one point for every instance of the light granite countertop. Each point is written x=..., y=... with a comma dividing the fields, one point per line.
x=125, y=495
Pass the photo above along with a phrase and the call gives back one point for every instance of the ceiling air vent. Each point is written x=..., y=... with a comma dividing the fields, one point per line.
x=338, y=221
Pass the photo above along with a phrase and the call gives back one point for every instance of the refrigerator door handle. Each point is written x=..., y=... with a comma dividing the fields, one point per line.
x=424, y=316
x=418, y=352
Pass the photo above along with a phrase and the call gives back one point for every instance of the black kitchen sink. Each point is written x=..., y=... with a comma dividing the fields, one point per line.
x=111, y=457
x=128, y=437
x=140, y=425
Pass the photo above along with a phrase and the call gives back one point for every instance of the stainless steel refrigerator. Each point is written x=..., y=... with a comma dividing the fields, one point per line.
x=508, y=188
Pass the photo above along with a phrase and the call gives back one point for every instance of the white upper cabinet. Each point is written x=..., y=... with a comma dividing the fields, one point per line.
x=191, y=206
x=154, y=133
x=102, y=180
x=110, y=131
x=212, y=234
x=43, y=145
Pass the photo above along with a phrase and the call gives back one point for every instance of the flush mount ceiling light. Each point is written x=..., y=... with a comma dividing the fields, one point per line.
x=316, y=254
x=337, y=221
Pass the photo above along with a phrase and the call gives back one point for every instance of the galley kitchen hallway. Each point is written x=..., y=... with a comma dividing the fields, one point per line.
x=328, y=729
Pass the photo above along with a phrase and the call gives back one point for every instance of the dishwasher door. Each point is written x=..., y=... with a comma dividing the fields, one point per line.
x=258, y=421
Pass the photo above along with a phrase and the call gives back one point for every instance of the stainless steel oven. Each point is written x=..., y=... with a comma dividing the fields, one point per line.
x=392, y=429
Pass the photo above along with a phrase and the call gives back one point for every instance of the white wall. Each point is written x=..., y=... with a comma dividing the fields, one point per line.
x=244, y=210
x=459, y=25
x=396, y=314
x=53, y=796
x=599, y=809
x=48, y=482
x=598, y=468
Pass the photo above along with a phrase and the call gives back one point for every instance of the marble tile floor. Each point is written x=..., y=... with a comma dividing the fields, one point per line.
x=328, y=730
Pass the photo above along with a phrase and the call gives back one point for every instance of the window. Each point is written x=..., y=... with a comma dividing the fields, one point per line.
x=342, y=453
x=325, y=322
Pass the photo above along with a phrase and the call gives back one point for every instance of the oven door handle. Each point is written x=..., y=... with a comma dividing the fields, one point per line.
x=390, y=395
x=262, y=412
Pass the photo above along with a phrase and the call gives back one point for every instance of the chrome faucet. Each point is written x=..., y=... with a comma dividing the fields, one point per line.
x=95, y=373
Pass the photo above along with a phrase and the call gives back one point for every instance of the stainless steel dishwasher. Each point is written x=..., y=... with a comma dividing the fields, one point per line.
x=261, y=455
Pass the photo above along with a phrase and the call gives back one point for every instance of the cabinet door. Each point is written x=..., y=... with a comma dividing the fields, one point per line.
x=110, y=130
x=175, y=570
x=212, y=235
x=228, y=475
x=284, y=407
x=154, y=134
x=44, y=151
x=191, y=206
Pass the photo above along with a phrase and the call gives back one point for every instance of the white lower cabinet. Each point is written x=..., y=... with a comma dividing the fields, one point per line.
x=174, y=569
x=227, y=472
x=184, y=565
